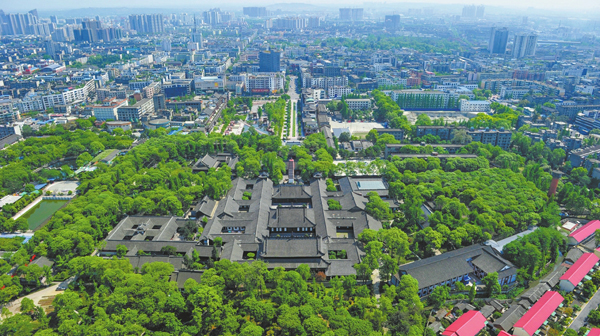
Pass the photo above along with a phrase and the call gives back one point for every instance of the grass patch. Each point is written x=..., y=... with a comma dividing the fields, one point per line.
x=103, y=155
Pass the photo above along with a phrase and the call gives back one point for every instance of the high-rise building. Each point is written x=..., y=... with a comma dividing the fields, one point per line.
x=480, y=11
x=255, y=11
x=269, y=61
x=357, y=14
x=147, y=23
x=346, y=14
x=91, y=27
x=351, y=14
x=392, y=21
x=50, y=48
x=19, y=24
x=290, y=23
x=498, y=40
x=469, y=11
x=525, y=45
x=213, y=16
x=90, y=31
x=197, y=35
x=166, y=45
x=60, y=35
x=53, y=19
x=314, y=22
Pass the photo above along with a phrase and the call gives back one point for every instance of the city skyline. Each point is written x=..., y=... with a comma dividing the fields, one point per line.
x=552, y=5
x=300, y=169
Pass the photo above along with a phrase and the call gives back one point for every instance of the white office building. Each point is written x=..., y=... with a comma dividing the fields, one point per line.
x=475, y=106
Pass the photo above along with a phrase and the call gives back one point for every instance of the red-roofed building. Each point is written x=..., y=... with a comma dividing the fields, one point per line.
x=575, y=274
x=538, y=314
x=503, y=333
x=468, y=324
x=584, y=232
x=593, y=332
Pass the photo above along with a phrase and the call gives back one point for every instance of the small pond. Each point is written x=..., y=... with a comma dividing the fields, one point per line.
x=37, y=215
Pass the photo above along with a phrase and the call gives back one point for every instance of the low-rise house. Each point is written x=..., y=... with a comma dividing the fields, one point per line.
x=573, y=255
x=453, y=266
x=510, y=317
x=468, y=324
x=584, y=232
x=396, y=132
x=533, y=319
x=487, y=311
x=578, y=271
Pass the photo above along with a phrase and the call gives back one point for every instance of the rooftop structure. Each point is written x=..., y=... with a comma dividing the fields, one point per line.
x=453, y=266
x=578, y=271
x=538, y=314
x=283, y=225
x=468, y=324
x=584, y=232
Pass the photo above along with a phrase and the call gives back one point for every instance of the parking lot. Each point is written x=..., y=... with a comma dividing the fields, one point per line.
x=63, y=187
x=356, y=128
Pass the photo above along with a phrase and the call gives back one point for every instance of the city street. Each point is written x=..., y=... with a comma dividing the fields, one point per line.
x=591, y=305
x=294, y=101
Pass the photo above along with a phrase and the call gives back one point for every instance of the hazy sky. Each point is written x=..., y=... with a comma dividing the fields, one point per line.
x=46, y=5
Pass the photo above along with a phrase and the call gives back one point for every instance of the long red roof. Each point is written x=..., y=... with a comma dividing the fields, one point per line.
x=504, y=333
x=585, y=231
x=580, y=268
x=539, y=313
x=468, y=324
x=593, y=332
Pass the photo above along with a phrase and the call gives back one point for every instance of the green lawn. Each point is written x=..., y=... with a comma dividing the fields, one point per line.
x=103, y=155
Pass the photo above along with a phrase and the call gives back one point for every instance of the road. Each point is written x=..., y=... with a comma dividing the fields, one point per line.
x=591, y=305
x=294, y=118
x=15, y=307
x=376, y=283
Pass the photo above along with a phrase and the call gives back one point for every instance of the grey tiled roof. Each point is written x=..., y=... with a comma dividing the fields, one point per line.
x=180, y=277
x=573, y=255
x=292, y=192
x=509, y=318
x=534, y=294
x=294, y=248
x=244, y=226
x=487, y=311
x=552, y=278
x=291, y=217
x=446, y=266
x=139, y=261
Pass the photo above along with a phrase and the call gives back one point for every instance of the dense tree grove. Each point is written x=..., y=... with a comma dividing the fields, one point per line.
x=110, y=298
x=535, y=250
x=19, y=161
x=388, y=111
x=276, y=113
x=469, y=205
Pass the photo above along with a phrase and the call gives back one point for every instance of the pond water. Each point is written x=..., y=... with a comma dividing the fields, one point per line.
x=42, y=211
x=259, y=129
